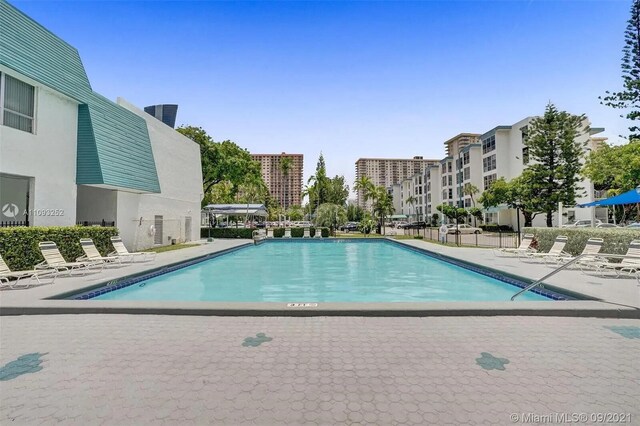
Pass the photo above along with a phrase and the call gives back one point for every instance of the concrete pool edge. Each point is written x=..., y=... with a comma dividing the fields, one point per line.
x=399, y=309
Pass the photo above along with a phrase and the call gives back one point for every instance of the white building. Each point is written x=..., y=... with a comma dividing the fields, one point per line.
x=479, y=160
x=70, y=156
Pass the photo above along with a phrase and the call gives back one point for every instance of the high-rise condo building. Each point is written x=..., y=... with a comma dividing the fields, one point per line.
x=284, y=185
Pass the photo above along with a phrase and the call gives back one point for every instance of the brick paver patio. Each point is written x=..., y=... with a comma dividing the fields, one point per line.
x=137, y=369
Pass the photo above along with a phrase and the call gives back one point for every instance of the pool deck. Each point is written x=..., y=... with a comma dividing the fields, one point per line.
x=176, y=370
x=618, y=298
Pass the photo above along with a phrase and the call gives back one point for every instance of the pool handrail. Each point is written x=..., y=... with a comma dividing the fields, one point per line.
x=566, y=265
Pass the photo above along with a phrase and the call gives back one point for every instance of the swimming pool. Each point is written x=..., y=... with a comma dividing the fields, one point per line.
x=320, y=271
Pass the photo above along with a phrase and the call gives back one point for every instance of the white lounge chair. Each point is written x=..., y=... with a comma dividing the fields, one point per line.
x=524, y=247
x=307, y=233
x=7, y=276
x=121, y=250
x=318, y=233
x=287, y=233
x=628, y=266
x=270, y=233
x=91, y=253
x=53, y=259
x=557, y=249
x=592, y=247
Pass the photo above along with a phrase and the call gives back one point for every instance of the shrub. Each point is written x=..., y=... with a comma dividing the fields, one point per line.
x=616, y=241
x=226, y=232
x=496, y=228
x=418, y=237
x=248, y=232
x=19, y=245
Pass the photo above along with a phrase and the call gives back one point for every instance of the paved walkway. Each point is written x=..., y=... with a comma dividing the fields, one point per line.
x=134, y=370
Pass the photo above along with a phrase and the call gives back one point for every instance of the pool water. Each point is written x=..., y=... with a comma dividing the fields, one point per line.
x=328, y=271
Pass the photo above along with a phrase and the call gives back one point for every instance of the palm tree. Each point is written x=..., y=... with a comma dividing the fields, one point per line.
x=365, y=185
x=311, y=192
x=331, y=216
x=382, y=204
x=411, y=201
x=471, y=190
x=285, y=165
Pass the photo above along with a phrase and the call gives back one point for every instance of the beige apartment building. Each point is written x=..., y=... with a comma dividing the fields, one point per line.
x=387, y=172
x=285, y=188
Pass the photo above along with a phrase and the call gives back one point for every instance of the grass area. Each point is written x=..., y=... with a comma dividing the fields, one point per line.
x=356, y=235
x=171, y=248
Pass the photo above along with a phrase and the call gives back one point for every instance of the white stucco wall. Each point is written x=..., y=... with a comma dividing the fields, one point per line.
x=48, y=156
x=179, y=170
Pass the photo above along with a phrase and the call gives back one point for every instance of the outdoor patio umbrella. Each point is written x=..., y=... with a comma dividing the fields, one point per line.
x=629, y=197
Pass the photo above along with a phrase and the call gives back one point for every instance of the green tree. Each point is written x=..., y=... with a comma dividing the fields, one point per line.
x=252, y=191
x=555, y=155
x=337, y=190
x=365, y=186
x=519, y=193
x=452, y=212
x=221, y=162
x=331, y=216
x=366, y=225
x=629, y=97
x=295, y=213
x=435, y=217
x=355, y=213
x=614, y=168
x=285, y=164
x=476, y=213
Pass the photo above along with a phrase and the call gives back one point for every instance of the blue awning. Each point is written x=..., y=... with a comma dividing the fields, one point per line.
x=629, y=197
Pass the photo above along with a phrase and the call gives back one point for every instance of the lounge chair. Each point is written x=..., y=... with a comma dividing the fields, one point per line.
x=524, y=247
x=287, y=233
x=270, y=233
x=628, y=266
x=318, y=233
x=53, y=259
x=593, y=247
x=91, y=253
x=307, y=233
x=557, y=249
x=121, y=250
x=6, y=275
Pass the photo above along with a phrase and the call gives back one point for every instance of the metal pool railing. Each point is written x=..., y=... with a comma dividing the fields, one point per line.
x=609, y=265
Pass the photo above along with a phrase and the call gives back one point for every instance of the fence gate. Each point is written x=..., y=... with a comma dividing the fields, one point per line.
x=157, y=239
x=187, y=228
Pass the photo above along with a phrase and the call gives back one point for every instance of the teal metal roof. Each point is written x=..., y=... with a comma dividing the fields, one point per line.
x=113, y=143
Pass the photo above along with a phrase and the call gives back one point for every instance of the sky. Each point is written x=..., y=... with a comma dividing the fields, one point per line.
x=349, y=79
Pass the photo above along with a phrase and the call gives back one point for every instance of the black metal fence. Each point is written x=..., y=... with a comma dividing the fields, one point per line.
x=11, y=223
x=96, y=223
x=498, y=239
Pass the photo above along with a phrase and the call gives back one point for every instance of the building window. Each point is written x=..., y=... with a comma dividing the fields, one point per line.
x=489, y=144
x=467, y=173
x=444, y=194
x=444, y=181
x=488, y=180
x=428, y=198
x=17, y=104
x=450, y=193
x=467, y=202
x=444, y=168
x=449, y=166
x=450, y=180
x=465, y=158
x=525, y=155
x=489, y=163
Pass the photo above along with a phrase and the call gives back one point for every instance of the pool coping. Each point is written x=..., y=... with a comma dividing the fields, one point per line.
x=54, y=305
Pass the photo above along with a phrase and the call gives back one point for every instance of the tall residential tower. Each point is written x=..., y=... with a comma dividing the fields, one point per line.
x=284, y=186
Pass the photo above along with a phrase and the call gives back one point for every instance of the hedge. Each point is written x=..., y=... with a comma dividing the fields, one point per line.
x=496, y=228
x=19, y=245
x=248, y=232
x=616, y=241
